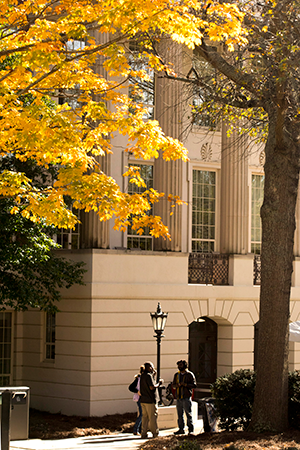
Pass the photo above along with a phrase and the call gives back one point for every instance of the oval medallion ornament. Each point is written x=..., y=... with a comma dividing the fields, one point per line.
x=262, y=158
x=206, y=151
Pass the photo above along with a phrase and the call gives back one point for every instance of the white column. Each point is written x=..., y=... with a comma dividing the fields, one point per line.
x=168, y=175
x=234, y=224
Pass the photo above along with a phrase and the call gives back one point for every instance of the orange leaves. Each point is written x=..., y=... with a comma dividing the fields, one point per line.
x=225, y=24
x=133, y=173
x=63, y=73
x=149, y=140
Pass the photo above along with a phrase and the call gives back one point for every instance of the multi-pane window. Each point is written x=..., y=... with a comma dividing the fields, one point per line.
x=5, y=347
x=144, y=241
x=257, y=195
x=68, y=238
x=70, y=96
x=200, y=113
x=203, y=211
x=50, y=336
x=141, y=90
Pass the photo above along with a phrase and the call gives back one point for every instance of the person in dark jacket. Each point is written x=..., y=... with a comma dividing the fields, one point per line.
x=137, y=399
x=149, y=399
x=184, y=382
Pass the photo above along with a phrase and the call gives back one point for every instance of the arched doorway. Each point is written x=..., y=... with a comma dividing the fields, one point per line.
x=203, y=337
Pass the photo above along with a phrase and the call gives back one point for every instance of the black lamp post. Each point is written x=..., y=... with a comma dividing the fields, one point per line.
x=159, y=319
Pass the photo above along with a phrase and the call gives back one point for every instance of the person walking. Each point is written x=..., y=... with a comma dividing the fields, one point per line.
x=184, y=382
x=149, y=399
x=137, y=399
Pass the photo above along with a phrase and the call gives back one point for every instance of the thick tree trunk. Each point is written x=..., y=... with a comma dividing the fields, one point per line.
x=270, y=410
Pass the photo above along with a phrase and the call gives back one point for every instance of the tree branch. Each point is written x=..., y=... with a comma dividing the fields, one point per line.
x=240, y=78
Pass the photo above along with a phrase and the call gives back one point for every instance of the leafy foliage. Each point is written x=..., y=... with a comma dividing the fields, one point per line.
x=72, y=60
x=31, y=273
x=294, y=399
x=234, y=396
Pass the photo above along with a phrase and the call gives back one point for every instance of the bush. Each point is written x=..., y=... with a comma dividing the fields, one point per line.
x=294, y=399
x=234, y=395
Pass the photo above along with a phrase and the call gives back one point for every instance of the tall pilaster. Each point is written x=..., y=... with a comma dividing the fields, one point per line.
x=93, y=233
x=234, y=210
x=168, y=175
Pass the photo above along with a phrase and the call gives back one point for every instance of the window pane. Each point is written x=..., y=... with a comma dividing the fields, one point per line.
x=50, y=336
x=144, y=241
x=203, y=207
x=69, y=239
x=5, y=347
x=257, y=194
x=140, y=90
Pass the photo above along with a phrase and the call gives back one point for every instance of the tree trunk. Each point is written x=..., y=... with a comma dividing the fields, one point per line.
x=270, y=410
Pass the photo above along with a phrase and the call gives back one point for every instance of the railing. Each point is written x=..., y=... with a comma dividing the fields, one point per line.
x=257, y=270
x=208, y=268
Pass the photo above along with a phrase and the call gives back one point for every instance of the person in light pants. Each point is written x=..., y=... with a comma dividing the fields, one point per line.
x=149, y=400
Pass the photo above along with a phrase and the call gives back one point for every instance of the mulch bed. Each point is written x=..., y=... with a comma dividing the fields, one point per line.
x=44, y=425
x=238, y=440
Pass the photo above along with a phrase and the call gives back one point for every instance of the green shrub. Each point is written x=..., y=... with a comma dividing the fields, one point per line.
x=294, y=399
x=234, y=395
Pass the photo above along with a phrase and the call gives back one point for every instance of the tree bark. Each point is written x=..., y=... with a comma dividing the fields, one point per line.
x=270, y=410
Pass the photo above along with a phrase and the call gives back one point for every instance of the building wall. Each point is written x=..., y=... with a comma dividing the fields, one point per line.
x=103, y=339
x=64, y=384
x=104, y=331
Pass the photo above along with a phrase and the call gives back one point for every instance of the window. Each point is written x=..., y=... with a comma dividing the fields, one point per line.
x=5, y=347
x=200, y=106
x=69, y=238
x=50, y=336
x=70, y=96
x=75, y=45
x=203, y=211
x=201, y=119
x=257, y=195
x=144, y=241
x=141, y=91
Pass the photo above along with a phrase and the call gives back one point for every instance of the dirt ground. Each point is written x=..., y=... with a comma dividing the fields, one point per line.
x=57, y=426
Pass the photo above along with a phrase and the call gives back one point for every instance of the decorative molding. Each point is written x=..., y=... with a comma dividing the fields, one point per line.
x=262, y=158
x=206, y=151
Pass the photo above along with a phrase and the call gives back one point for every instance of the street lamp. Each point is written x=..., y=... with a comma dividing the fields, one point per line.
x=159, y=319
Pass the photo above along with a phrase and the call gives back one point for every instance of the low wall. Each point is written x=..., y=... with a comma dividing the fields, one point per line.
x=167, y=416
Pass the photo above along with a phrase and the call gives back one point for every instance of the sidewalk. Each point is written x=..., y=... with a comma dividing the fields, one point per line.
x=104, y=442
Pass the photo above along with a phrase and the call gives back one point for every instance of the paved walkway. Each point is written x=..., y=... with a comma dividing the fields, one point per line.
x=104, y=442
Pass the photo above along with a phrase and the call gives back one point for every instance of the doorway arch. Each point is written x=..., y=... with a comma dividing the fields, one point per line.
x=203, y=338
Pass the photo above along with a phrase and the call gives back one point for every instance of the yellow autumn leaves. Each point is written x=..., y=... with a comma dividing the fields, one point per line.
x=63, y=72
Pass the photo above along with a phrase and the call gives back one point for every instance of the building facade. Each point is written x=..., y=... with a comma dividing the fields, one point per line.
x=82, y=359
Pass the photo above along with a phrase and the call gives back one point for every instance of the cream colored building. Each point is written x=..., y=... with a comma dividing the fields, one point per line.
x=82, y=360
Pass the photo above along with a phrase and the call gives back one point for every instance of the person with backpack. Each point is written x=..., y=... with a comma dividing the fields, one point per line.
x=184, y=382
x=135, y=388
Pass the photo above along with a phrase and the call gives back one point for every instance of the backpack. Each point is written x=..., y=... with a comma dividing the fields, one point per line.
x=133, y=385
